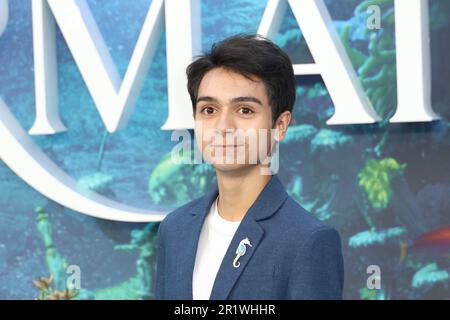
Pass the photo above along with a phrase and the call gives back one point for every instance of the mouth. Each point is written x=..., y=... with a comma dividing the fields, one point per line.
x=226, y=145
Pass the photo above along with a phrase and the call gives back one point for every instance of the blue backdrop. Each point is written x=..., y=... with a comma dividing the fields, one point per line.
x=385, y=187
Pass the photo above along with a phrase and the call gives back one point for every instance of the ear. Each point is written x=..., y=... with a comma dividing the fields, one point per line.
x=282, y=124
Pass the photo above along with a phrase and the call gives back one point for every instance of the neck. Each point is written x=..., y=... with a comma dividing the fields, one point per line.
x=238, y=190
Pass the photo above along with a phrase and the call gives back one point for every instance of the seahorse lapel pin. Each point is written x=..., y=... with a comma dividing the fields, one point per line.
x=240, y=251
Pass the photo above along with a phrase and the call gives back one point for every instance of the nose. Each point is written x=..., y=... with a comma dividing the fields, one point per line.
x=225, y=123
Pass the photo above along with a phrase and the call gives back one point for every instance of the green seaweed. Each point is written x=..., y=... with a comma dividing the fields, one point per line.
x=375, y=179
x=54, y=287
x=376, y=70
x=136, y=287
x=368, y=294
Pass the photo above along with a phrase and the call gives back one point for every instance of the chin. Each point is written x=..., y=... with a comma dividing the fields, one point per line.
x=231, y=167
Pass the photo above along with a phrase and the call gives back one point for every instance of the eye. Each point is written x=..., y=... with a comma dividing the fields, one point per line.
x=246, y=111
x=207, y=110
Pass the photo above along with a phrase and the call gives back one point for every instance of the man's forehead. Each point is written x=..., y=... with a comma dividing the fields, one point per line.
x=229, y=76
x=228, y=85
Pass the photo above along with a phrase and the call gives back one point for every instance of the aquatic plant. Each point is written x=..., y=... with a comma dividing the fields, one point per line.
x=429, y=275
x=370, y=237
x=371, y=294
x=139, y=286
x=55, y=286
x=97, y=182
x=327, y=139
x=295, y=187
x=375, y=179
x=299, y=133
x=101, y=150
x=47, y=293
x=318, y=202
x=55, y=262
x=376, y=69
x=135, y=288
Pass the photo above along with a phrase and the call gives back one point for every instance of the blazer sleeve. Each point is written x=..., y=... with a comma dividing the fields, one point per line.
x=160, y=264
x=318, y=269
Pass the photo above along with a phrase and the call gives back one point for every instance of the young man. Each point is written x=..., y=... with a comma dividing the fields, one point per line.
x=247, y=238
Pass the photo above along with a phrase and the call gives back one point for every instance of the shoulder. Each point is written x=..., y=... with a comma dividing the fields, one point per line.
x=302, y=227
x=315, y=262
x=313, y=240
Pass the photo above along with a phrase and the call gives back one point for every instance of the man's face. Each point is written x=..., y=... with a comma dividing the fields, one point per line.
x=233, y=120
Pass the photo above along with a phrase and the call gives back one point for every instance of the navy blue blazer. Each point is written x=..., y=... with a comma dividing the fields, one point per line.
x=293, y=255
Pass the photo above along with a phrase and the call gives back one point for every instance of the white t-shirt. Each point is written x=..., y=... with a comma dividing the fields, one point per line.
x=215, y=238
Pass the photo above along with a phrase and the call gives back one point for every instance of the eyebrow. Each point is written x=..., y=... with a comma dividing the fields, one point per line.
x=234, y=100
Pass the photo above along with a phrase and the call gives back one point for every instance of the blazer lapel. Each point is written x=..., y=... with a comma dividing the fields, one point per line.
x=269, y=200
x=189, y=237
x=228, y=274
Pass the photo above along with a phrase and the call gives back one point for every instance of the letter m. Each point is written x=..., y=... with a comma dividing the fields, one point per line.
x=114, y=97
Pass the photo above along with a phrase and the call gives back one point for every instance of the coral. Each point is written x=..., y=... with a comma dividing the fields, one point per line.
x=97, y=182
x=137, y=287
x=376, y=70
x=371, y=294
x=327, y=139
x=320, y=201
x=299, y=133
x=428, y=276
x=46, y=293
x=371, y=237
x=55, y=262
x=375, y=179
x=54, y=287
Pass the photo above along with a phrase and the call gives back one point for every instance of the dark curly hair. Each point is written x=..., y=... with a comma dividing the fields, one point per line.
x=249, y=55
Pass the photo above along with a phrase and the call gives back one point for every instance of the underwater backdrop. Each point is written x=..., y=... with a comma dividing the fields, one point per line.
x=385, y=187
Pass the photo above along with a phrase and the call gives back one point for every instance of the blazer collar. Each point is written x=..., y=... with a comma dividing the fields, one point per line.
x=269, y=200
